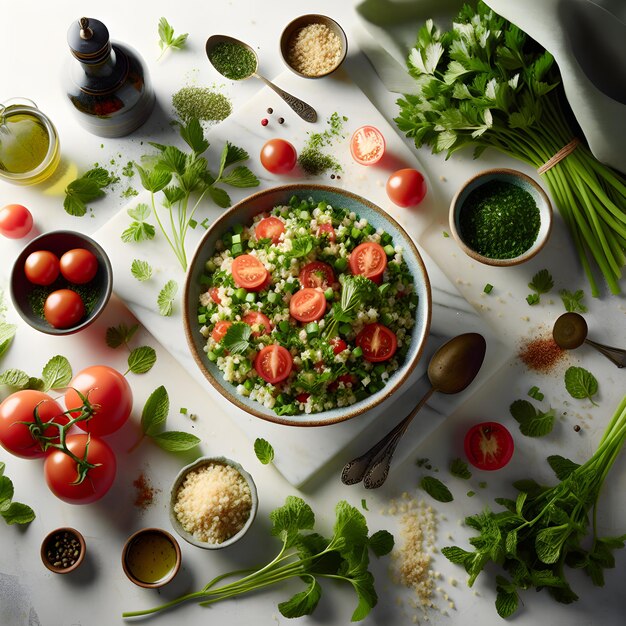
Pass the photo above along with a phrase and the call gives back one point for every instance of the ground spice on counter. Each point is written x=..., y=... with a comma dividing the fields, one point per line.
x=499, y=220
x=145, y=492
x=541, y=354
x=233, y=60
x=312, y=159
x=201, y=103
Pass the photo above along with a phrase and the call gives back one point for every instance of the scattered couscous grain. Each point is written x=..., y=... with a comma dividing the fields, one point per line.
x=314, y=50
x=213, y=503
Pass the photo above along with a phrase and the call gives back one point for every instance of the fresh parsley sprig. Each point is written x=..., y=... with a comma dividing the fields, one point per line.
x=237, y=338
x=573, y=301
x=167, y=38
x=542, y=282
x=139, y=229
x=90, y=186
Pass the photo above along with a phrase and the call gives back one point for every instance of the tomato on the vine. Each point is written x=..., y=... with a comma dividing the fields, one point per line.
x=109, y=393
x=16, y=221
x=278, y=156
x=79, y=266
x=61, y=470
x=19, y=407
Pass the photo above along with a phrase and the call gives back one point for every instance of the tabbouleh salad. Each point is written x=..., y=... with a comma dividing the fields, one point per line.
x=308, y=309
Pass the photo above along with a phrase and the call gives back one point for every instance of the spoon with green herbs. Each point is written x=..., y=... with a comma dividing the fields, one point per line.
x=451, y=369
x=236, y=60
x=570, y=332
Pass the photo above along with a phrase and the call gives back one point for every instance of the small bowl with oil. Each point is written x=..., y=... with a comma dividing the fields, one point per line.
x=151, y=557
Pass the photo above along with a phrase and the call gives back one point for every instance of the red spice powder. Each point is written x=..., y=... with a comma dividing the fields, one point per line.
x=541, y=354
x=145, y=493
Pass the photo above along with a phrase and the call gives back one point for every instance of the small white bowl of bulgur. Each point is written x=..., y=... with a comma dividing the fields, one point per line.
x=313, y=45
x=213, y=502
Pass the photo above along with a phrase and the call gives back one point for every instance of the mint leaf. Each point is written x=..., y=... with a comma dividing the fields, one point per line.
x=234, y=155
x=381, y=543
x=176, y=441
x=436, y=489
x=533, y=423
x=141, y=360
x=165, y=299
x=120, y=335
x=138, y=231
x=6, y=490
x=57, y=373
x=141, y=270
x=154, y=180
x=573, y=301
x=457, y=555
x=580, y=383
x=561, y=466
x=155, y=411
x=506, y=602
x=460, y=469
x=289, y=519
x=264, y=451
x=14, y=378
x=18, y=513
x=304, y=602
x=237, y=338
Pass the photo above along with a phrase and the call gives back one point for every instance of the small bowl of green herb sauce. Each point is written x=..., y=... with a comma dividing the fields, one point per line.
x=501, y=217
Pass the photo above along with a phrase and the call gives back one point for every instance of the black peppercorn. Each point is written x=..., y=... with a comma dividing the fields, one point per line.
x=281, y=120
x=270, y=110
x=577, y=428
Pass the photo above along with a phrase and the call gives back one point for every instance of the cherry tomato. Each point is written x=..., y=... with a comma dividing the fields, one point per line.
x=79, y=266
x=273, y=363
x=488, y=446
x=20, y=407
x=367, y=145
x=214, y=294
x=219, y=331
x=368, y=259
x=349, y=380
x=303, y=397
x=406, y=187
x=249, y=272
x=317, y=275
x=378, y=342
x=307, y=305
x=61, y=472
x=338, y=344
x=108, y=391
x=259, y=322
x=63, y=308
x=327, y=229
x=16, y=221
x=278, y=156
x=270, y=228
x=41, y=267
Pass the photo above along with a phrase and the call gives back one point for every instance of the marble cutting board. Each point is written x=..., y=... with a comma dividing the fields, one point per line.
x=301, y=452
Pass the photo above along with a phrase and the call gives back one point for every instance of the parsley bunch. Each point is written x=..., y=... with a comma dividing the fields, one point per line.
x=486, y=83
x=545, y=528
x=356, y=291
x=308, y=556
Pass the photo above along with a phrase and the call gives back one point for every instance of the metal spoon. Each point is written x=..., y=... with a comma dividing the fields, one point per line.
x=570, y=332
x=304, y=110
x=451, y=369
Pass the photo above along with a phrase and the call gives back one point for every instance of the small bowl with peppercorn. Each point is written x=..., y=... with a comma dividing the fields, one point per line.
x=213, y=502
x=501, y=217
x=63, y=550
x=313, y=45
x=61, y=282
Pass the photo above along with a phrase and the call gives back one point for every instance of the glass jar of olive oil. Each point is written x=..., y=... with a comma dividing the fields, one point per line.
x=29, y=144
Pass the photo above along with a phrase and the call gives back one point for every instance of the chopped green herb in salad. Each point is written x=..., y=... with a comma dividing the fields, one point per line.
x=308, y=308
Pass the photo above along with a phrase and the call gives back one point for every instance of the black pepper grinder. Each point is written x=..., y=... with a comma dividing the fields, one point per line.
x=109, y=88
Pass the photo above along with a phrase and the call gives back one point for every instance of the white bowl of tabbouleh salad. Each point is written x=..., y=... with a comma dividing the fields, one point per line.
x=306, y=305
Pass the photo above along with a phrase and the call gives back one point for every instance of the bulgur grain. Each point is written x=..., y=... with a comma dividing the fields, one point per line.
x=314, y=50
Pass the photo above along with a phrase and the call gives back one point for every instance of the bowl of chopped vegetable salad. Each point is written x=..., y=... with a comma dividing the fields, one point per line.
x=306, y=305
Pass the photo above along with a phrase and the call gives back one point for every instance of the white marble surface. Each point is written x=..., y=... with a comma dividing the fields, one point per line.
x=99, y=591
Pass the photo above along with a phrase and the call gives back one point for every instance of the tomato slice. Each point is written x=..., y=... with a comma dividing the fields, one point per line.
x=270, y=228
x=488, y=446
x=259, y=322
x=349, y=380
x=327, y=229
x=378, y=342
x=249, y=272
x=307, y=305
x=220, y=330
x=317, y=275
x=367, y=145
x=368, y=259
x=273, y=363
x=338, y=344
x=215, y=295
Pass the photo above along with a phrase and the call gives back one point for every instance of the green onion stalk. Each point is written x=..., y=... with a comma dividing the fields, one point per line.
x=487, y=84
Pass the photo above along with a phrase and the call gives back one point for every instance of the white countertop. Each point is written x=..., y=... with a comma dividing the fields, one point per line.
x=33, y=52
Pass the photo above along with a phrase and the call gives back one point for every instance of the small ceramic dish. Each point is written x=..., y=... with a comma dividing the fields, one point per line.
x=95, y=293
x=63, y=550
x=513, y=177
x=178, y=482
x=151, y=557
x=290, y=31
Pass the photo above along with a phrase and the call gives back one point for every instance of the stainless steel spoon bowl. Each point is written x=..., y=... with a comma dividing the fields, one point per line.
x=304, y=110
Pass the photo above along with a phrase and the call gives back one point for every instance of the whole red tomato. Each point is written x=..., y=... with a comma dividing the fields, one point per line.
x=278, y=156
x=16, y=221
x=20, y=407
x=61, y=470
x=110, y=394
x=406, y=187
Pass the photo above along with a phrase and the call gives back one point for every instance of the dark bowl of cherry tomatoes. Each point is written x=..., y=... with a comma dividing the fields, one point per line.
x=61, y=282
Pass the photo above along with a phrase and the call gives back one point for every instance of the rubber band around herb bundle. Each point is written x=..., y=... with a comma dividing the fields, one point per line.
x=564, y=152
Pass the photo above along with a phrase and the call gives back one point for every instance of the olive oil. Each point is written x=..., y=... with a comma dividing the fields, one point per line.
x=151, y=556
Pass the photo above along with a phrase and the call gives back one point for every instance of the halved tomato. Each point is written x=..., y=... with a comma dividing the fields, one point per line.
x=367, y=145
x=220, y=330
x=259, y=322
x=488, y=446
x=307, y=305
x=368, y=259
x=273, y=363
x=215, y=295
x=249, y=272
x=270, y=228
x=378, y=342
x=327, y=229
x=317, y=275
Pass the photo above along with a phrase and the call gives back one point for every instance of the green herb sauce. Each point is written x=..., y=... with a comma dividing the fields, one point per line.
x=499, y=220
x=233, y=60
